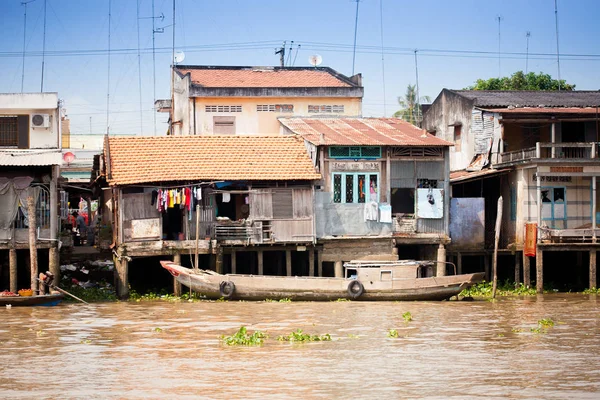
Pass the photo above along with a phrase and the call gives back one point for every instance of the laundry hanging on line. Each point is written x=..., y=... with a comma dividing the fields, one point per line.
x=183, y=198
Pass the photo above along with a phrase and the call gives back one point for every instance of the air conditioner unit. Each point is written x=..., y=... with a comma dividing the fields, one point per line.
x=40, y=120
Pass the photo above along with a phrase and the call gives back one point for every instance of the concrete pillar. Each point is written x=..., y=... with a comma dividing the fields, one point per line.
x=259, y=256
x=54, y=264
x=311, y=261
x=526, y=270
x=288, y=262
x=539, y=270
x=339, y=270
x=486, y=267
x=441, y=258
x=176, y=285
x=12, y=256
x=122, y=277
x=233, y=261
x=593, y=283
x=54, y=206
x=320, y=263
x=517, y=269
x=219, y=261
x=459, y=264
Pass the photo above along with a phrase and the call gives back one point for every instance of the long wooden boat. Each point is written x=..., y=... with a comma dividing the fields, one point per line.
x=364, y=280
x=21, y=301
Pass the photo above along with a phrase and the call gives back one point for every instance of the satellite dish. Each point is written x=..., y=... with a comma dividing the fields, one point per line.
x=179, y=57
x=315, y=60
x=69, y=157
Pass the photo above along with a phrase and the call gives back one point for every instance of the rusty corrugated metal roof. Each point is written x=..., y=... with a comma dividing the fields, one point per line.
x=30, y=157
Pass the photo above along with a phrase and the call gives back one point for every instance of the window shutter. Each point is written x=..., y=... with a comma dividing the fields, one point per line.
x=283, y=207
x=23, y=131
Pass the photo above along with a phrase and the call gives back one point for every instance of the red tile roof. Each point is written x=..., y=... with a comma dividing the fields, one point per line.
x=361, y=131
x=209, y=158
x=256, y=77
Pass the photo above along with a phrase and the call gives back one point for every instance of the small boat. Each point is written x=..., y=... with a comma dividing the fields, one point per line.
x=22, y=301
x=364, y=280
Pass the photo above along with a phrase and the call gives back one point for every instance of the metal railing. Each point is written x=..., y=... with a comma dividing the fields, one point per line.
x=552, y=150
x=43, y=207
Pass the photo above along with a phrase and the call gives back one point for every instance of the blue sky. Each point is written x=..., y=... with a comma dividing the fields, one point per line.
x=325, y=27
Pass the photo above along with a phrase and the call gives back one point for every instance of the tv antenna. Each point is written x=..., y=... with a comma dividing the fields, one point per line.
x=24, y=3
x=527, y=35
x=315, y=60
x=179, y=57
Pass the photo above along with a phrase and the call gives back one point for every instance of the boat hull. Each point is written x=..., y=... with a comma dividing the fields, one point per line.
x=27, y=301
x=258, y=287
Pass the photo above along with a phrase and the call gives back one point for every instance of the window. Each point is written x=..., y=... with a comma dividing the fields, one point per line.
x=355, y=187
x=554, y=208
x=280, y=108
x=222, y=109
x=224, y=125
x=427, y=183
x=326, y=109
x=8, y=131
x=355, y=152
x=457, y=137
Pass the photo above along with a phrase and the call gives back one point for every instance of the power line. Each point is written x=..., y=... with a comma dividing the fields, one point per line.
x=355, y=31
x=557, y=50
x=382, y=57
x=43, y=48
x=24, y=3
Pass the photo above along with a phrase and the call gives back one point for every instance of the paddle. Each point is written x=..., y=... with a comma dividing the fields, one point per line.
x=63, y=291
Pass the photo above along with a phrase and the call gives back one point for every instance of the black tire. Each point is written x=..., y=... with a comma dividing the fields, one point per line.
x=226, y=289
x=355, y=289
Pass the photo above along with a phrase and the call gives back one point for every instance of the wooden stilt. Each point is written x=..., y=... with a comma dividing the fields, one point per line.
x=526, y=270
x=459, y=264
x=260, y=259
x=12, y=260
x=539, y=270
x=311, y=261
x=486, y=267
x=233, y=261
x=33, y=243
x=517, y=269
x=54, y=263
x=319, y=263
x=122, y=277
x=339, y=269
x=288, y=262
x=441, y=258
x=496, y=242
x=593, y=283
x=177, y=290
x=219, y=261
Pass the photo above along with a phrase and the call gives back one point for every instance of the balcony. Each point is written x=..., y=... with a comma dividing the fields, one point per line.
x=548, y=151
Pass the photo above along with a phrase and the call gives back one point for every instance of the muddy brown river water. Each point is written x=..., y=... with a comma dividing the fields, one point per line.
x=172, y=350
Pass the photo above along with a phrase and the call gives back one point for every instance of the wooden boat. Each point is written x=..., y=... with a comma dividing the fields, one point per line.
x=21, y=301
x=364, y=280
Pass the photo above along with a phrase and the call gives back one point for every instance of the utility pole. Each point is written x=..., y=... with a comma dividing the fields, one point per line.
x=355, y=31
x=173, y=77
x=418, y=116
x=557, y=49
x=281, y=52
x=43, y=48
x=499, y=18
x=382, y=57
x=108, y=73
x=24, y=3
x=90, y=125
x=139, y=57
x=155, y=30
x=527, y=35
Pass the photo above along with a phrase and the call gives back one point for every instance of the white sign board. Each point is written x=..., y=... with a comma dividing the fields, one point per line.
x=430, y=203
x=145, y=228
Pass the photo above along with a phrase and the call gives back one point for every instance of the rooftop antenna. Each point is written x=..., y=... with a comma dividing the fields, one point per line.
x=315, y=60
x=108, y=80
x=24, y=3
x=382, y=58
x=155, y=30
x=179, y=57
x=43, y=48
x=418, y=121
x=289, y=59
x=355, y=31
x=557, y=50
x=296, y=55
x=173, y=76
x=139, y=66
x=527, y=35
x=499, y=18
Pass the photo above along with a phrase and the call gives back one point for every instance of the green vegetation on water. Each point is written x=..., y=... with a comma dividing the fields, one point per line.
x=407, y=316
x=592, y=291
x=392, y=333
x=243, y=338
x=505, y=288
x=299, y=336
x=91, y=295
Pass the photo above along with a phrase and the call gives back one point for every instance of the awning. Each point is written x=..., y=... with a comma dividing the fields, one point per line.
x=26, y=158
x=464, y=176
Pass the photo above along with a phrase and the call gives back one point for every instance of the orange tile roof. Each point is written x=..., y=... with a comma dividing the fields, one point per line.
x=210, y=158
x=361, y=131
x=256, y=77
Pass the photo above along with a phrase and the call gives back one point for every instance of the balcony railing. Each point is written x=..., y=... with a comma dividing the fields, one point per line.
x=572, y=151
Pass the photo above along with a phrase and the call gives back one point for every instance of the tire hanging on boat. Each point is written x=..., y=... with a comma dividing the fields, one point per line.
x=355, y=289
x=226, y=289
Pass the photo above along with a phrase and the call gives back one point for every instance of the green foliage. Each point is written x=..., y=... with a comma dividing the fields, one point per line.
x=521, y=81
x=341, y=300
x=285, y=300
x=592, y=291
x=91, y=295
x=299, y=336
x=411, y=107
x=243, y=338
x=505, y=288
x=407, y=316
x=163, y=296
x=392, y=333
x=157, y=330
x=546, y=322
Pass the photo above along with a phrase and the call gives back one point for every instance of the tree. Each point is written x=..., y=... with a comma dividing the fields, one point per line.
x=411, y=108
x=521, y=81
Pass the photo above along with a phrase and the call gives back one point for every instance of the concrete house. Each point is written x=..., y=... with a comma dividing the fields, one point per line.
x=384, y=189
x=243, y=203
x=30, y=159
x=248, y=100
x=537, y=149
